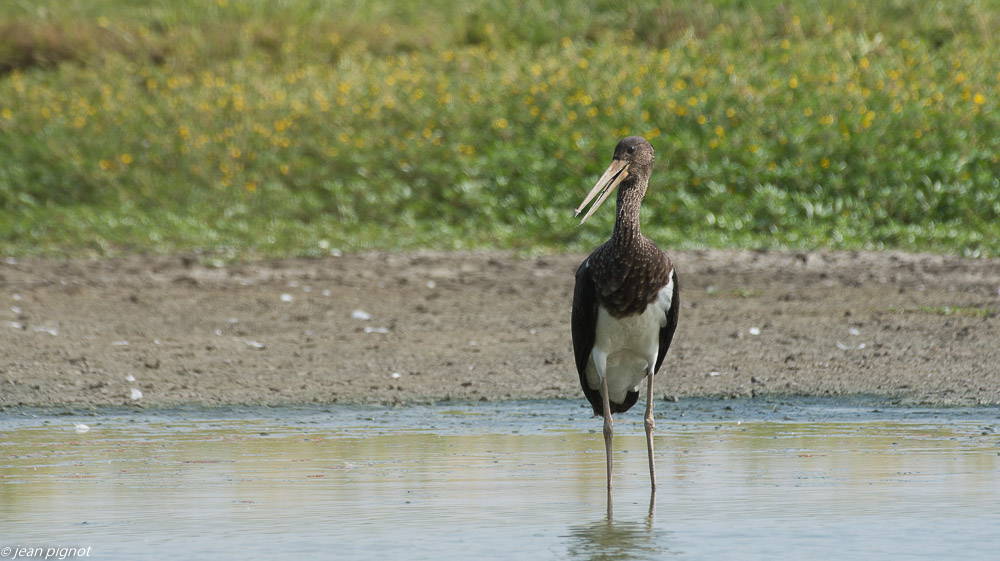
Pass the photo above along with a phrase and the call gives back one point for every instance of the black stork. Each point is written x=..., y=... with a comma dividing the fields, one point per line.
x=625, y=302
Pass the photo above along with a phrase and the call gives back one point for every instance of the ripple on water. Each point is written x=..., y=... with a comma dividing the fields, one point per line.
x=809, y=479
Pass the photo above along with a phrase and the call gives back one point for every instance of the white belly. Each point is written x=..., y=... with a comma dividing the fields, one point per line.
x=626, y=349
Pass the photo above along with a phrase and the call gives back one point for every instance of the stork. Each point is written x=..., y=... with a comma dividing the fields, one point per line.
x=625, y=302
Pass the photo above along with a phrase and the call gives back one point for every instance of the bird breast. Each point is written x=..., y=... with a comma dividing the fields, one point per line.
x=628, y=345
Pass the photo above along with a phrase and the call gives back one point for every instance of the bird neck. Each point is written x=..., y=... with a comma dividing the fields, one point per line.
x=627, y=230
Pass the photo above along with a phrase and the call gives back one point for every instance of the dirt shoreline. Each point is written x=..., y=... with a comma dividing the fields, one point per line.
x=426, y=326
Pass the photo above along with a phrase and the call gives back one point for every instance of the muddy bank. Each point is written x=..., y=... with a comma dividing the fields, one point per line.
x=388, y=327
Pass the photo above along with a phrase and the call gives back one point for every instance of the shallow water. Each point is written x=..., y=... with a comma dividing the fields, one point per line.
x=810, y=479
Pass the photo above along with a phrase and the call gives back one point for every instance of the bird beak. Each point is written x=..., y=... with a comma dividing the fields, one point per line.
x=615, y=174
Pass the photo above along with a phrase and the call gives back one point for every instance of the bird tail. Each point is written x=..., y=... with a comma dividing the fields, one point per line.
x=594, y=397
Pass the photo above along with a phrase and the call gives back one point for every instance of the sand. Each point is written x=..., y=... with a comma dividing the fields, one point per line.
x=429, y=326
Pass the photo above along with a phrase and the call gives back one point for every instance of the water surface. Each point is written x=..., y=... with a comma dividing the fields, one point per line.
x=808, y=479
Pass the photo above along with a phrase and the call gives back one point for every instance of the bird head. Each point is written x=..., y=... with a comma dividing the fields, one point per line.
x=633, y=158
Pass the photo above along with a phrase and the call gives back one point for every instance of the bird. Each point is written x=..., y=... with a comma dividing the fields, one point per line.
x=625, y=301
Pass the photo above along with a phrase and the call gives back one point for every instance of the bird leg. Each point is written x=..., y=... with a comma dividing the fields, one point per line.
x=648, y=423
x=652, y=509
x=611, y=508
x=608, y=427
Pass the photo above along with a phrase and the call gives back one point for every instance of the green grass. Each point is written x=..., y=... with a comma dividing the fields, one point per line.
x=967, y=311
x=289, y=128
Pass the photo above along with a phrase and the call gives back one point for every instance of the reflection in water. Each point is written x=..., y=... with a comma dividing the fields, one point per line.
x=495, y=482
x=619, y=540
x=652, y=506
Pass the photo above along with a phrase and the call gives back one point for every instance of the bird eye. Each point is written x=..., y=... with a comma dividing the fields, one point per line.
x=631, y=149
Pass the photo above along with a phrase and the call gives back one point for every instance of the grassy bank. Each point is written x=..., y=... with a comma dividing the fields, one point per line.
x=278, y=128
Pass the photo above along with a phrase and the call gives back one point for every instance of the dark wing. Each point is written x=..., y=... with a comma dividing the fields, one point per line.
x=667, y=332
x=584, y=330
x=584, y=326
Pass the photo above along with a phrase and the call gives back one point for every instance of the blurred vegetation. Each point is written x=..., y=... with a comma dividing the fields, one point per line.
x=267, y=127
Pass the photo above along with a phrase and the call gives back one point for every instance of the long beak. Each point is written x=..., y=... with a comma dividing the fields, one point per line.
x=615, y=174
